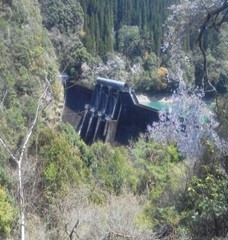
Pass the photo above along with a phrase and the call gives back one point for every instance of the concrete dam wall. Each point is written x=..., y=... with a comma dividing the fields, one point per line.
x=110, y=112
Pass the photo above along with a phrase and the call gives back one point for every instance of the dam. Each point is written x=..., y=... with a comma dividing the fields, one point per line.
x=110, y=112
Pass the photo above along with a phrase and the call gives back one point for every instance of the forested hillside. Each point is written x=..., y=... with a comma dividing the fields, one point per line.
x=171, y=182
x=109, y=38
x=105, y=19
x=128, y=41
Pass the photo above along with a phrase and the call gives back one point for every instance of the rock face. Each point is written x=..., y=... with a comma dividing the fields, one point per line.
x=110, y=112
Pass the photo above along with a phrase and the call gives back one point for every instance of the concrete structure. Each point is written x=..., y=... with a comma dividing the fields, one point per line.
x=110, y=112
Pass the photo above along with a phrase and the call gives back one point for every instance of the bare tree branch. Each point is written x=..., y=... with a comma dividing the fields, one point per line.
x=211, y=17
x=3, y=99
x=8, y=150
x=72, y=231
x=112, y=235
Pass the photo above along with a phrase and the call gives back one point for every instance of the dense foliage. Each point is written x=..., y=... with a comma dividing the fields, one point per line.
x=64, y=22
x=204, y=204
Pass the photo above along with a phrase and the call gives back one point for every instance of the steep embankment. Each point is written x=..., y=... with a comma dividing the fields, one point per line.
x=28, y=64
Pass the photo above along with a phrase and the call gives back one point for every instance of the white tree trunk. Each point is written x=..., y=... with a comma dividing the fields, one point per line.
x=22, y=206
x=19, y=165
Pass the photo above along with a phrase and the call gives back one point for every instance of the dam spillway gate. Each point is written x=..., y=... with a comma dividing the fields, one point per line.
x=111, y=112
x=101, y=116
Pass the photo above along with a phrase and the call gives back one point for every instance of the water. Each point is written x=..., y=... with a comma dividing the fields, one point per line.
x=158, y=105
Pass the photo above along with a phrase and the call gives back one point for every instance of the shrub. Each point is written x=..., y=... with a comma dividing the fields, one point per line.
x=112, y=169
x=7, y=214
x=204, y=205
x=62, y=165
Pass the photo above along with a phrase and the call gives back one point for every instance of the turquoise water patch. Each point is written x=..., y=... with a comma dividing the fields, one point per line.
x=163, y=106
x=157, y=105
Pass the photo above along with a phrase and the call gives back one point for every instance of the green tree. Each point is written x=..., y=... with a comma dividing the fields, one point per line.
x=128, y=40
